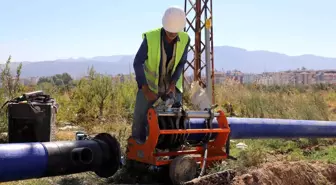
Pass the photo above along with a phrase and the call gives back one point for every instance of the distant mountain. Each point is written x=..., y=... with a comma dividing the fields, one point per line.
x=226, y=58
x=230, y=58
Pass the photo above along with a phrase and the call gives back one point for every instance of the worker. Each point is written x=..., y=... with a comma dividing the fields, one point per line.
x=158, y=67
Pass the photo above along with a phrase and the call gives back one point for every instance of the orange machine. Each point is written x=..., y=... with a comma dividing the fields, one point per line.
x=187, y=138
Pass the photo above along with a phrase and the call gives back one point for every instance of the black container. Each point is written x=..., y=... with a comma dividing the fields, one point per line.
x=31, y=121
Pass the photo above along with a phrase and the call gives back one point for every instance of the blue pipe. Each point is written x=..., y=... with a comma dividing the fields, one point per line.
x=35, y=160
x=199, y=123
x=249, y=128
x=22, y=161
x=19, y=161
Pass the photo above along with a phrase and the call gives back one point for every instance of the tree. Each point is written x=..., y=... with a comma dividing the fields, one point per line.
x=94, y=92
x=44, y=80
x=47, y=87
x=103, y=89
x=63, y=79
x=11, y=84
x=62, y=82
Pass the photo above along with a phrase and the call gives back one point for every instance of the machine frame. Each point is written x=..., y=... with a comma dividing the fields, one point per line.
x=147, y=152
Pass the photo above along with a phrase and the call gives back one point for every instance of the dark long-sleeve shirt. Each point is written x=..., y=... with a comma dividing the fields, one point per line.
x=141, y=57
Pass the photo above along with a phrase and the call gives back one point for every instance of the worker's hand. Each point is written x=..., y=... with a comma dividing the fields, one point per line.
x=149, y=94
x=171, y=89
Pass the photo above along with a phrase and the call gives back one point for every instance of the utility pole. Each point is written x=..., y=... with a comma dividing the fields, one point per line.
x=201, y=47
x=208, y=66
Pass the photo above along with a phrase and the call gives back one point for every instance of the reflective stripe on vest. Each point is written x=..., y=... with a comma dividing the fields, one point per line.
x=152, y=63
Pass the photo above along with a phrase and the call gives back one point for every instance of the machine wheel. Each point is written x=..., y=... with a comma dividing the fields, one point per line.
x=182, y=169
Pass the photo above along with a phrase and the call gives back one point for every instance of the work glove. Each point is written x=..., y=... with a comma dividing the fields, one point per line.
x=149, y=94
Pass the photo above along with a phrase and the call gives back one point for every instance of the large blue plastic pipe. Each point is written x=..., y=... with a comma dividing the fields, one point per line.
x=35, y=160
x=199, y=123
x=19, y=161
x=249, y=128
x=22, y=161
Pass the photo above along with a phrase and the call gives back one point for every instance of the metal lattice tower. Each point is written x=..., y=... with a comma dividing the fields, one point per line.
x=199, y=27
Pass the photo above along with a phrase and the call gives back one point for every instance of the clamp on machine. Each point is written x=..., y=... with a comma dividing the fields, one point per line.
x=182, y=140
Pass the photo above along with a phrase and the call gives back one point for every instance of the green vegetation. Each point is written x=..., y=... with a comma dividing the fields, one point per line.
x=100, y=103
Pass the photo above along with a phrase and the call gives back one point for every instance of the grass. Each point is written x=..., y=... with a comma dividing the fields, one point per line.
x=309, y=103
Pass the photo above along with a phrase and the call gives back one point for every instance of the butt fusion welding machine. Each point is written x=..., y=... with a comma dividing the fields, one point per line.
x=181, y=140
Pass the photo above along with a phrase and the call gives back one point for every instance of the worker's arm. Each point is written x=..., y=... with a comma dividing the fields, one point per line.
x=138, y=64
x=180, y=66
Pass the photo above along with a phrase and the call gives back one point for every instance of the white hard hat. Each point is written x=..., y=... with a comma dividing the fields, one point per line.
x=174, y=19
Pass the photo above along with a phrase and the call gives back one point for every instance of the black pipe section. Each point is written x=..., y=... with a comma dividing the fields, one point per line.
x=101, y=155
x=82, y=155
x=21, y=161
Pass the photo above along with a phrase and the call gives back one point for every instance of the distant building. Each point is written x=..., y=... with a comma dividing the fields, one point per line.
x=298, y=77
x=249, y=78
x=219, y=77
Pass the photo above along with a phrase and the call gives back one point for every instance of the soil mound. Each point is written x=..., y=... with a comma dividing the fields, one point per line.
x=277, y=173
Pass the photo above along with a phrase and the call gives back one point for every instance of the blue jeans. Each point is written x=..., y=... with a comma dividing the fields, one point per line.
x=140, y=124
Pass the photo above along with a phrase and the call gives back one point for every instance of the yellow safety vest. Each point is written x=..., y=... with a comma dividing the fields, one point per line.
x=152, y=64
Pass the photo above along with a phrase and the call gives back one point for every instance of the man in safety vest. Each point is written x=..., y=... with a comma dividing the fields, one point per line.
x=158, y=66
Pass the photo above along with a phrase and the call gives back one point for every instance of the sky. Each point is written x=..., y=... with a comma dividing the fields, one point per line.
x=36, y=30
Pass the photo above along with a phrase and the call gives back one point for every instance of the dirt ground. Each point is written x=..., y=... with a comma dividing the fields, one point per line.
x=278, y=173
x=271, y=173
